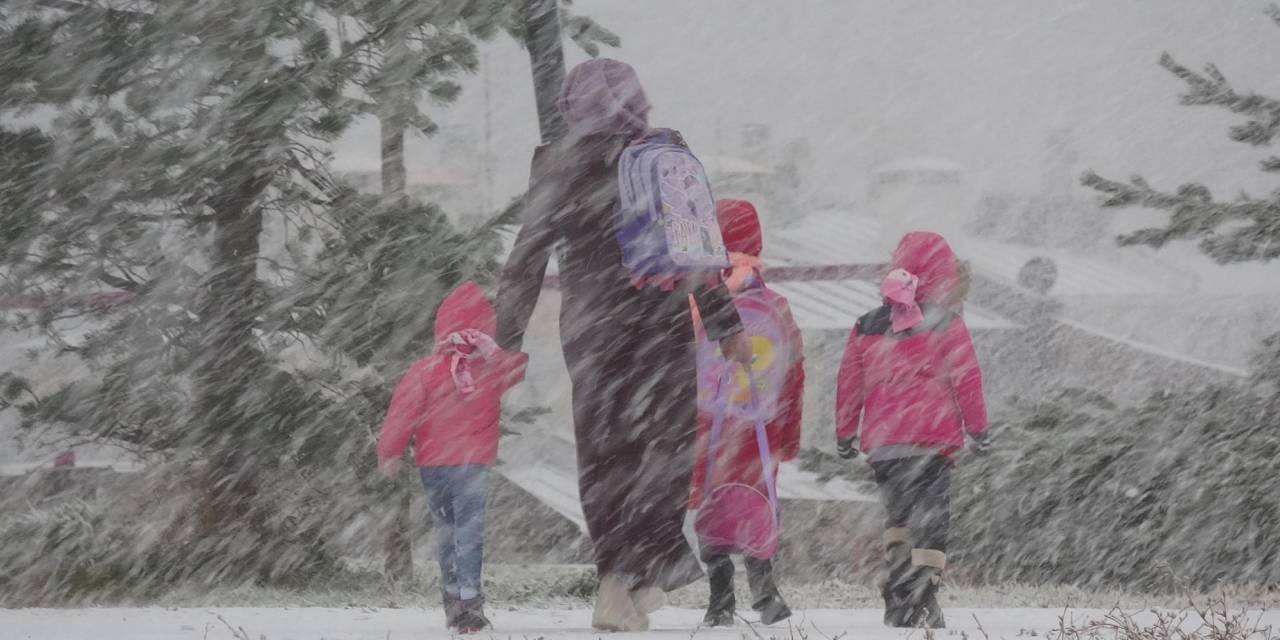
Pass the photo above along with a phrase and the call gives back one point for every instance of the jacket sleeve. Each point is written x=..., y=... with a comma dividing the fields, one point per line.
x=793, y=391
x=510, y=365
x=789, y=426
x=521, y=281
x=965, y=376
x=719, y=315
x=408, y=404
x=850, y=389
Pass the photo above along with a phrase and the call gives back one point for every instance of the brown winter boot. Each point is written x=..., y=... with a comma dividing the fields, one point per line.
x=897, y=566
x=922, y=588
x=615, y=610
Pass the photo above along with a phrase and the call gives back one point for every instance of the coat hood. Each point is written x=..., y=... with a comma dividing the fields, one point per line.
x=604, y=96
x=928, y=257
x=740, y=226
x=466, y=307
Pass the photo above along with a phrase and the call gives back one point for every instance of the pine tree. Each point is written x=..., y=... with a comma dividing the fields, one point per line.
x=176, y=131
x=1241, y=230
x=1245, y=229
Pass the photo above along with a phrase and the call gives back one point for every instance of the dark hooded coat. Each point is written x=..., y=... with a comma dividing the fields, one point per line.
x=629, y=350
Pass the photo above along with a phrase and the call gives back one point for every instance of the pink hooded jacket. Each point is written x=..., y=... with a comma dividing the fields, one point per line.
x=452, y=417
x=920, y=387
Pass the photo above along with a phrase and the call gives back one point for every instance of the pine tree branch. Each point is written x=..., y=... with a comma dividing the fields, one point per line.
x=70, y=6
x=1249, y=223
x=1212, y=88
x=124, y=284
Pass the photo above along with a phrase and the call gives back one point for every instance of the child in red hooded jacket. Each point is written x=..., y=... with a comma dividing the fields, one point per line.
x=909, y=389
x=737, y=458
x=448, y=403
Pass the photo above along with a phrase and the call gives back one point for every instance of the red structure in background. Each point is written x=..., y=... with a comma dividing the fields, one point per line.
x=64, y=459
x=808, y=273
x=102, y=299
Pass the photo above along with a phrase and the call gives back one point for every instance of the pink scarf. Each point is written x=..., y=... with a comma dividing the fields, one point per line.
x=462, y=347
x=899, y=288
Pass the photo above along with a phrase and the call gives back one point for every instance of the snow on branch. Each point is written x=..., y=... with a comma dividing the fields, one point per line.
x=1239, y=231
x=1212, y=88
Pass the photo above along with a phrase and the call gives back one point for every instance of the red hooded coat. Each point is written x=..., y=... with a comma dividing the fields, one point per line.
x=921, y=387
x=450, y=427
x=737, y=457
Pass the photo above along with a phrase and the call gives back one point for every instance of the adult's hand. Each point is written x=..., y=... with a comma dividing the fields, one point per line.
x=737, y=348
x=389, y=467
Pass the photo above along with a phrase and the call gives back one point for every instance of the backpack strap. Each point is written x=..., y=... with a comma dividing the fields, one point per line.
x=762, y=443
x=662, y=136
x=762, y=440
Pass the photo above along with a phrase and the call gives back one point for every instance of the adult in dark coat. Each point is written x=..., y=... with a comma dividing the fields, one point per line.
x=629, y=349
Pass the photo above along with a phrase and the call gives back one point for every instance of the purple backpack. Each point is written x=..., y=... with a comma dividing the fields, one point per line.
x=666, y=214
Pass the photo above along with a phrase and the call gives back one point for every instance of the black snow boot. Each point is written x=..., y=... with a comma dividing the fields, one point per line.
x=766, y=599
x=471, y=618
x=451, y=608
x=773, y=609
x=925, y=610
x=722, y=607
x=894, y=581
x=920, y=589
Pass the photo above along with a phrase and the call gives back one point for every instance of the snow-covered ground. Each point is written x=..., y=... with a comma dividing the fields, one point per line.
x=424, y=624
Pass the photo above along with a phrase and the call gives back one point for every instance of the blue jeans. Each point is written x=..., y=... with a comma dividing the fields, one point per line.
x=456, y=496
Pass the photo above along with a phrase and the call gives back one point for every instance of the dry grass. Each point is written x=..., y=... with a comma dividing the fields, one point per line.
x=1211, y=619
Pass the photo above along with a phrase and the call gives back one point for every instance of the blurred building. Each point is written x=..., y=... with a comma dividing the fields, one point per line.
x=916, y=194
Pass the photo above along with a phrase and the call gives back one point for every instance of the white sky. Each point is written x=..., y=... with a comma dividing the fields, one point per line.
x=981, y=82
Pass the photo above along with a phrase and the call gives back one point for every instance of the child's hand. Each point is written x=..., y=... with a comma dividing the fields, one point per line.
x=737, y=348
x=389, y=467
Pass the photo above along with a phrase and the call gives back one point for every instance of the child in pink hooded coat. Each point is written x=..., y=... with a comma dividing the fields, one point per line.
x=908, y=390
x=448, y=403
x=738, y=458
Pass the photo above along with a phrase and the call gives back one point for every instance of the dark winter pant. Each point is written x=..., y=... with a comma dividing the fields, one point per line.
x=456, y=496
x=916, y=492
x=720, y=575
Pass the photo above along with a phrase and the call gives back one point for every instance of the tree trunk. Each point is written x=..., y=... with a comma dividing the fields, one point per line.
x=393, y=120
x=546, y=57
x=233, y=435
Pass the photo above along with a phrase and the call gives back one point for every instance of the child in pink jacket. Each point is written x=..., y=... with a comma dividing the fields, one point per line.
x=448, y=404
x=908, y=390
x=738, y=460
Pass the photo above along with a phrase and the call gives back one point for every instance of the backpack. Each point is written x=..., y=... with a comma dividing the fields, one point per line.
x=735, y=516
x=773, y=356
x=666, y=214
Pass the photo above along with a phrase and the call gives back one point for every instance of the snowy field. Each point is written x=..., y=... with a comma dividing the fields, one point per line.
x=360, y=623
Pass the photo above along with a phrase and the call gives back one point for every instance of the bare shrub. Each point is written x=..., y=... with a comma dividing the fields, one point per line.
x=1211, y=621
